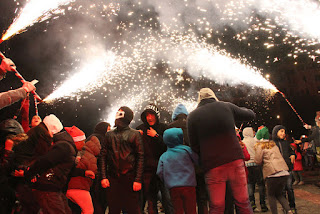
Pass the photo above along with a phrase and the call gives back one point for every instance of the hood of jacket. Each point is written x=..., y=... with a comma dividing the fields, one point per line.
x=64, y=136
x=152, y=108
x=180, y=109
x=275, y=132
x=173, y=137
x=93, y=146
x=206, y=101
x=248, y=132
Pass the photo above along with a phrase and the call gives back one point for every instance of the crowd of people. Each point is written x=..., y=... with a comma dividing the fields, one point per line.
x=199, y=159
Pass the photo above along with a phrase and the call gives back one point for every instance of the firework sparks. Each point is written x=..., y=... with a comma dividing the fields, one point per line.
x=35, y=11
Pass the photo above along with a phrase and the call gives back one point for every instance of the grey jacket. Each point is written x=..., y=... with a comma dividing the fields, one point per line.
x=9, y=97
x=271, y=160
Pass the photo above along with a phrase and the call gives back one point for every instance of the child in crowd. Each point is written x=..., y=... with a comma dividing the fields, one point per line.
x=79, y=187
x=279, y=137
x=297, y=165
x=275, y=171
x=176, y=170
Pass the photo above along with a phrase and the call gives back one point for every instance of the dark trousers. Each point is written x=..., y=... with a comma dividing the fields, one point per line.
x=151, y=186
x=202, y=194
x=275, y=186
x=52, y=202
x=255, y=177
x=289, y=191
x=184, y=200
x=121, y=196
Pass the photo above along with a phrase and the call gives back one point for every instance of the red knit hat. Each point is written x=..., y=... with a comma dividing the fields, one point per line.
x=76, y=134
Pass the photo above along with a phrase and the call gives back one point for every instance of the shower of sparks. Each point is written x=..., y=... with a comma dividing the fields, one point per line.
x=34, y=11
x=98, y=71
x=161, y=49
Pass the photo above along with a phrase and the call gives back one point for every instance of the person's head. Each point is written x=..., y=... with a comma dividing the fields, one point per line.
x=281, y=134
x=180, y=109
x=151, y=118
x=9, y=127
x=36, y=120
x=206, y=93
x=173, y=137
x=77, y=135
x=124, y=117
x=150, y=115
x=53, y=124
x=102, y=128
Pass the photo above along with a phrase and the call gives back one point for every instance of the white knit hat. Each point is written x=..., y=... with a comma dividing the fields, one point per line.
x=53, y=123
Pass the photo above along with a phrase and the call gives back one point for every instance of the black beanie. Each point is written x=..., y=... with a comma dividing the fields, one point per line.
x=126, y=120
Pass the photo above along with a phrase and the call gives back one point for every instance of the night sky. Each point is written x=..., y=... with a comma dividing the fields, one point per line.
x=163, y=52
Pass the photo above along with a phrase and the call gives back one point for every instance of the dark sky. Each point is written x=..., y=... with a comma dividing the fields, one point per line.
x=44, y=52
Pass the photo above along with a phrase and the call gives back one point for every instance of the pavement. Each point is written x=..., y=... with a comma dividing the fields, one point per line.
x=307, y=196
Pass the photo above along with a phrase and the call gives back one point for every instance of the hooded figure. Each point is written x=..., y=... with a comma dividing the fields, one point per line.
x=179, y=120
x=176, y=170
x=152, y=131
x=176, y=165
x=153, y=146
x=249, y=141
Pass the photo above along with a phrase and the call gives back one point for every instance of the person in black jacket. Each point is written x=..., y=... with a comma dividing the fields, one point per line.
x=152, y=131
x=122, y=164
x=50, y=171
x=11, y=133
x=288, y=154
x=98, y=193
x=211, y=130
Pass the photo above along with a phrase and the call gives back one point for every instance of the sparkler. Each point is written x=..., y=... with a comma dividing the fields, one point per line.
x=34, y=11
x=291, y=106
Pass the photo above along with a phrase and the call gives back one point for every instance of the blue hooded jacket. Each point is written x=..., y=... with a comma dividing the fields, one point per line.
x=180, y=109
x=179, y=120
x=176, y=165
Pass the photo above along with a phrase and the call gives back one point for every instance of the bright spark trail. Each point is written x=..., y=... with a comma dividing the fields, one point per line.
x=34, y=11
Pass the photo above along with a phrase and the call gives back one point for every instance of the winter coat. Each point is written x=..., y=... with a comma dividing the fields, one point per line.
x=54, y=167
x=212, y=134
x=297, y=166
x=122, y=153
x=9, y=97
x=179, y=120
x=154, y=147
x=88, y=161
x=38, y=144
x=176, y=165
x=250, y=142
x=271, y=160
x=283, y=145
